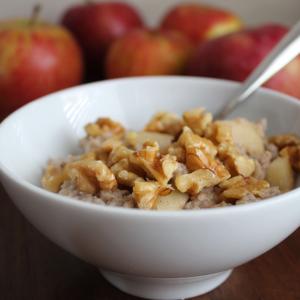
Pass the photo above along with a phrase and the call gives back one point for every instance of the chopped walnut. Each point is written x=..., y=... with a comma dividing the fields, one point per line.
x=117, y=154
x=53, y=177
x=178, y=151
x=238, y=187
x=201, y=154
x=122, y=164
x=165, y=122
x=91, y=176
x=236, y=163
x=285, y=140
x=146, y=193
x=198, y=120
x=104, y=127
x=88, y=156
x=157, y=166
x=149, y=151
x=194, y=182
x=188, y=138
x=127, y=178
x=123, y=173
x=107, y=146
x=220, y=132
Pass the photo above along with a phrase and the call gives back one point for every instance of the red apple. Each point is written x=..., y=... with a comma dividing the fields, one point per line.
x=145, y=52
x=200, y=22
x=236, y=55
x=36, y=58
x=96, y=26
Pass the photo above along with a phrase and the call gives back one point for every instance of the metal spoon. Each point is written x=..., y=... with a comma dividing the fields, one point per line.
x=281, y=55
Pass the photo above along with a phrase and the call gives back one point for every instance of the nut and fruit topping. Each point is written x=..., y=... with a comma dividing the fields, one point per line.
x=177, y=163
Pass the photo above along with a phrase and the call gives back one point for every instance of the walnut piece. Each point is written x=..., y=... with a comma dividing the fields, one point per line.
x=107, y=146
x=119, y=166
x=220, y=132
x=178, y=151
x=285, y=140
x=188, y=138
x=157, y=166
x=124, y=172
x=194, y=182
x=91, y=176
x=165, y=122
x=280, y=173
x=238, y=187
x=146, y=193
x=198, y=120
x=127, y=178
x=105, y=127
x=236, y=163
x=201, y=154
x=53, y=177
x=117, y=154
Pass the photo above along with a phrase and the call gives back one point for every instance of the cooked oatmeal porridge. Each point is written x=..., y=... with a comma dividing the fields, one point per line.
x=187, y=162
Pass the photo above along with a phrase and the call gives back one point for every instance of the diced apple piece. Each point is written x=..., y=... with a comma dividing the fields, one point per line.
x=247, y=135
x=173, y=201
x=280, y=173
x=137, y=139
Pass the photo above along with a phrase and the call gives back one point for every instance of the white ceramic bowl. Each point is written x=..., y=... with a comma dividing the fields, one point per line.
x=158, y=255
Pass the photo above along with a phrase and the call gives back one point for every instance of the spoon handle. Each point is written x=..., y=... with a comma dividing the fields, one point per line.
x=285, y=51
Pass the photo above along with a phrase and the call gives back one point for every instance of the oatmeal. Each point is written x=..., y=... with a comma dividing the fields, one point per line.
x=177, y=163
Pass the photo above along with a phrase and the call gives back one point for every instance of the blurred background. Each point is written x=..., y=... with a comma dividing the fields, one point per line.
x=92, y=40
x=252, y=11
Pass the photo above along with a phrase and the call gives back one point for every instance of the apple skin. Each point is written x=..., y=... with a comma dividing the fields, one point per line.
x=96, y=26
x=236, y=55
x=200, y=22
x=146, y=52
x=35, y=59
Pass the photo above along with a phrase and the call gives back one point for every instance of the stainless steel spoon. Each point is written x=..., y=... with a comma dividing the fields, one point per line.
x=281, y=55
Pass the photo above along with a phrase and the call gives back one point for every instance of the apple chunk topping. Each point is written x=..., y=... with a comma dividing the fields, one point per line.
x=173, y=201
x=239, y=132
x=280, y=173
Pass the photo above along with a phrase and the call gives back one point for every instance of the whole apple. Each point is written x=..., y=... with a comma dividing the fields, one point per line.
x=200, y=22
x=236, y=55
x=96, y=26
x=36, y=58
x=146, y=52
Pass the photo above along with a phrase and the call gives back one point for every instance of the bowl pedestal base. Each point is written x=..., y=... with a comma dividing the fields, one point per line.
x=166, y=288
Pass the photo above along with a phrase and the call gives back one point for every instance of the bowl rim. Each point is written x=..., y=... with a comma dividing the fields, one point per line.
x=68, y=200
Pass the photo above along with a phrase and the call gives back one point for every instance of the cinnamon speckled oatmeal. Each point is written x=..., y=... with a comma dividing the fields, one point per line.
x=177, y=162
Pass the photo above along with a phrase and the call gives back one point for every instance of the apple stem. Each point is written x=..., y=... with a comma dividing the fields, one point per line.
x=35, y=14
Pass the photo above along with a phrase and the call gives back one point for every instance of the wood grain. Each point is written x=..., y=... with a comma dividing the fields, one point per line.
x=31, y=267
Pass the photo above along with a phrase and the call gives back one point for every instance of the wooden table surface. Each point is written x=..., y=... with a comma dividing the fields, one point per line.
x=33, y=268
